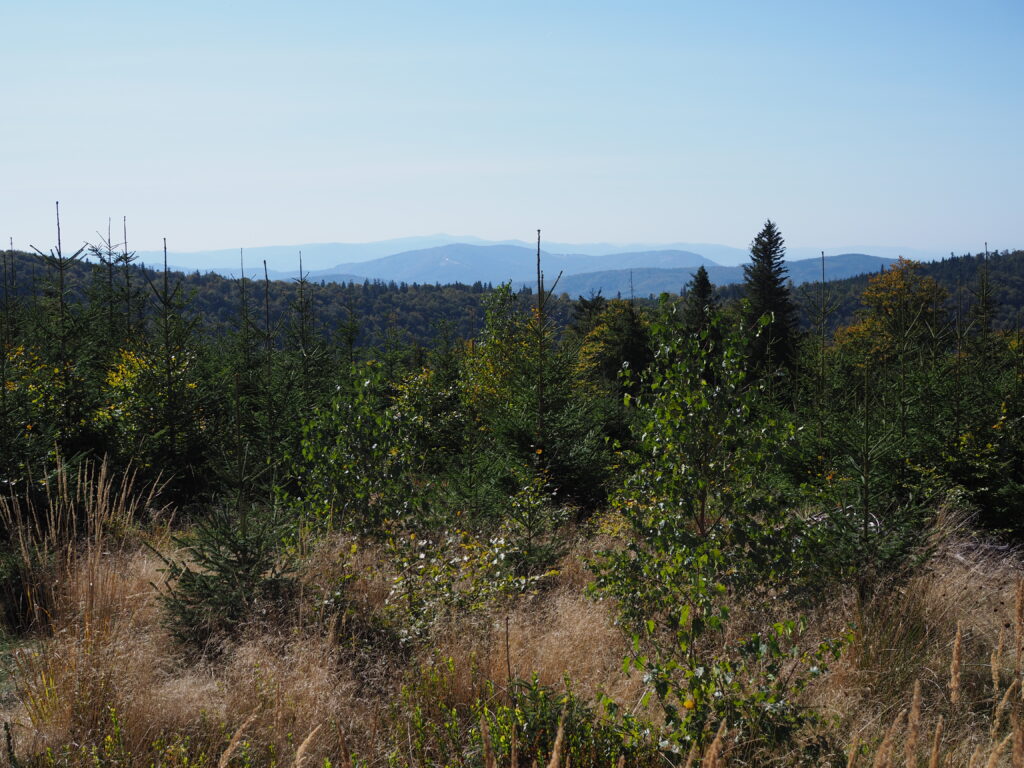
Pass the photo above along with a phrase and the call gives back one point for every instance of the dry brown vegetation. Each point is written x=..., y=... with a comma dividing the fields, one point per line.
x=932, y=675
x=932, y=669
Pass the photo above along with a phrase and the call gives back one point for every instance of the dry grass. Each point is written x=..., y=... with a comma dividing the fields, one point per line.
x=101, y=669
x=935, y=643
x=558, y=635
x=82, y=509
x=340, y=559
x=108, y=652
x=105, y=651
x=320, y=690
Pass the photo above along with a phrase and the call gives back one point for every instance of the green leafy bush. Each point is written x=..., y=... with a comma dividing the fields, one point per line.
x=439, y=575
x=591, y=735
x=523, y=716
x=702, y=527
x=356, y=469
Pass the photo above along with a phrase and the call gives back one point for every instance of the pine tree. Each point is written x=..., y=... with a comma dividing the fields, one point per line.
x=984, y=307
x=700, y=302
x=767, y=293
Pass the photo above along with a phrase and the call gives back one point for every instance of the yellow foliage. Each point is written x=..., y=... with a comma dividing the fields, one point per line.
x=900, y=307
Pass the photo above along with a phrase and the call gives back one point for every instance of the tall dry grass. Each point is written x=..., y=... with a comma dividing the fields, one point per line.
x=932, y=645
x=100, y=672
x=83, y=591
x=932, y=677
x=109, y=668
x=71, y=511
x=558, y=635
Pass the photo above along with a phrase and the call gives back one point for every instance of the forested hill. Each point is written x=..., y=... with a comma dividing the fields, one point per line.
x=652, y=279
x=958, y=275
x=372, y=314
x=378, y=313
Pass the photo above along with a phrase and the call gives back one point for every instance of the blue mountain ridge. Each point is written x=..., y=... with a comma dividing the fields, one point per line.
x=653, y=271
x=644, y=282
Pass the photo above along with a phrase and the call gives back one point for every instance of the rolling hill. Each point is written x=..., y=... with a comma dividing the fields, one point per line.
x=464, y=263
x=646, y=281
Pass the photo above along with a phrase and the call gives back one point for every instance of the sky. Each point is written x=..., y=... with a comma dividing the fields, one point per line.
x=231, y=124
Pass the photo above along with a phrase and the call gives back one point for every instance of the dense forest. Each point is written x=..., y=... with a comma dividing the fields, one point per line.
x=248, y=523
x=376, y=313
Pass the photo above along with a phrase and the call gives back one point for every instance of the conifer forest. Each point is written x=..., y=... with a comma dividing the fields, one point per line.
x=250, y=523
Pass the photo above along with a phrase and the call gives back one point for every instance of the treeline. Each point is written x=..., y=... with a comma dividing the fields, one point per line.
x=182, y=374
x=376, y=313
x=959, y=277
x=364, y=315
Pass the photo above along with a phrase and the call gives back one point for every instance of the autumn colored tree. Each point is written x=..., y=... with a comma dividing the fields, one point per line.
x=903, y=311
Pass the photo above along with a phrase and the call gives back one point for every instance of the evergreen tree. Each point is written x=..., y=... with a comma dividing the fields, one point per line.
x=66, y=403
x=767, y=293
x=700, y=301
x=984, y=306
x=586, y=314
x=163, y=392
x=619, y=338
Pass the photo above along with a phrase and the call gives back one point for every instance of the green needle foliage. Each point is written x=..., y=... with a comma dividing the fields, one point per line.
x=768, y=295
x=235, y=569
x=700, y=301
x=532, y=404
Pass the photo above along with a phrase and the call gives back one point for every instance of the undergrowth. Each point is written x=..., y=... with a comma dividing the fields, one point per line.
x=507, y=677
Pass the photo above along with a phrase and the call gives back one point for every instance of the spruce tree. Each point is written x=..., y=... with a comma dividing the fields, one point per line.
x=700, y=301
x=767, y=293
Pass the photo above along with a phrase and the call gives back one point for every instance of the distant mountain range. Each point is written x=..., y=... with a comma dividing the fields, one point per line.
x=284, y=259
x=644, y=282
x=323, y=257
x=461, y=263
x=586, y=268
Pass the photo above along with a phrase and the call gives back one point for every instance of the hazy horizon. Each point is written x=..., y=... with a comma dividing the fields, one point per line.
x=421, y=242
x=659, y=122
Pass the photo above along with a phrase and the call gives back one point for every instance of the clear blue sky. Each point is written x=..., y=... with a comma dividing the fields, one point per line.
x=222, y=124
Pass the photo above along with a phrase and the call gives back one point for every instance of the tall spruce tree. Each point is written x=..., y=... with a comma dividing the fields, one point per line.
x=767, y=293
